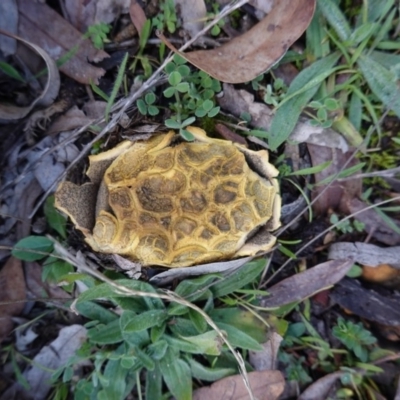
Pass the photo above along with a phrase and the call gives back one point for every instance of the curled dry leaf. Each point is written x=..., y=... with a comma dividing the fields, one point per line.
x=266, y=385
x=12, y=288
x=251, y=54
x=59, y=38
x=305, y=284
x=50, y=91
x=337, y=195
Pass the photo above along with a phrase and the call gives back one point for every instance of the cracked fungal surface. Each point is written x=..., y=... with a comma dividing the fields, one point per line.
x=170, y=203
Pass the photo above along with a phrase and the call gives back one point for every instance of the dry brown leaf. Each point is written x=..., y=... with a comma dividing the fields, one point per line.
x=227, y=134
x=193, y=14
x=336, y=196
x=39, y=289
x=49, y=93
x=73, y=118
x=266, y=359
x=251, y=54
x=83, y=13
x=266, y=385
x=323, y=388
x=12, y=288
x=137, y=15
x=58, y=38
x=305, y=284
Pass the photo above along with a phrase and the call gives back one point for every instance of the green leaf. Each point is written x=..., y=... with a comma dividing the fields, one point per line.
x=154, y=384
x=157, y=350
x=116, y=376
x=175, y=78
x=287, y=115
x=355, y=111
x=364, y=31
x=188, y=121
x=106, y=334
x=54, y=218
x=145, y=34
x=144, y=320
x=237, y=338
x=117, y=85
x=169, y=92
x=186, y=135
x=242, y=320
x=171, y=123
x=207, y=343
x=312, y=170
x=11, y=71
x=150, y=98
x=96, y=312
x=239, y=278
x=156, y=332
x=189, y=287
x=182, y=87
x=213, y=112
x=182, y=345
x=99, y=92
x=55, y=269
x=142, y=107
x=198, y=320
x=203, y=373
x=382, y=82
x=32, y=248
x=335, y=18
x=153, y=110
x=184, y=70
x=182, y=327
x=177, y=376
x=200, y=113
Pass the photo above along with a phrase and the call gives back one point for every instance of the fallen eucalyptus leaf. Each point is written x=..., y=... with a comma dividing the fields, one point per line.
x=305, y=284
x=266, y=385
x=61, y=40
x=251, y=54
